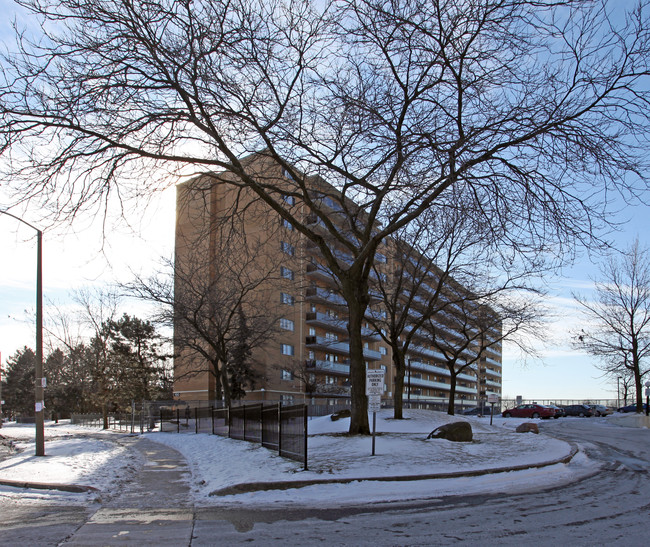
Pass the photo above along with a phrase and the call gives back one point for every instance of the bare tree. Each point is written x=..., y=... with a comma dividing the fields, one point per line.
x=480, y=323
x=446, y=270
x=619, y=317
x=537, y=108
x=219, y=298
x=97, y=308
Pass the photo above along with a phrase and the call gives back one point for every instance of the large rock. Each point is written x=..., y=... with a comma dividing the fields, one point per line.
x=345, y=413
x=456, y=431
x=527, y=427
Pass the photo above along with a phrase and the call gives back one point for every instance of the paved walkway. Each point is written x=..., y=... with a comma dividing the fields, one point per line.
x=134, y=516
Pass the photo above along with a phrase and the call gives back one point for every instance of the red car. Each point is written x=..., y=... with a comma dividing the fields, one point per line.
x=530, y=411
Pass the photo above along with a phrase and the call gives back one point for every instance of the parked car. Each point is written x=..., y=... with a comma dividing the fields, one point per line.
x=478, y=411
x=475, y=411
x=529, y=411
x=578, y=410
x=559, y=411
x=631, y=408
x=601, y=410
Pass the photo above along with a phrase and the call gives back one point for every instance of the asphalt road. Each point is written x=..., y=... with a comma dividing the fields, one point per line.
x=610, y=507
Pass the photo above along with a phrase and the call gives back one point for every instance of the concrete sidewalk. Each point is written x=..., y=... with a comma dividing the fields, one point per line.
x=132, y=516
x=135, y=516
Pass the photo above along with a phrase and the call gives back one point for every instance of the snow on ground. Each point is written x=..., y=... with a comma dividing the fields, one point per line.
x=73, y=455
x=76, y=455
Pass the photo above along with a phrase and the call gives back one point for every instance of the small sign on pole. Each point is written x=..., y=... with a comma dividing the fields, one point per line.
x=492, y=399
x=374, y=403
x=374, y=389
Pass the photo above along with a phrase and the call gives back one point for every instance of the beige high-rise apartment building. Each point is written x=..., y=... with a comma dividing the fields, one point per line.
x=241, y=267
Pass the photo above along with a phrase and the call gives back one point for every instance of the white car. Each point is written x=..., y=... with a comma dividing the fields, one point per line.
x=600, y=410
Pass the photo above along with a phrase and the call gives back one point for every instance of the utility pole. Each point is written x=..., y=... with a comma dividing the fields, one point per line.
x=39, y=381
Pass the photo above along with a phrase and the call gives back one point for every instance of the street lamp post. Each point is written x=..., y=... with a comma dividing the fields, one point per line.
x=618, y=392
x=39, y=405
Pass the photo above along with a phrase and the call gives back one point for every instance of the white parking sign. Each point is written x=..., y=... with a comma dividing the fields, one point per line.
x=374, y=382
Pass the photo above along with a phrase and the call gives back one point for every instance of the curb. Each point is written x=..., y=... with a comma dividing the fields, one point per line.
x=76, y=488
x=286, y=485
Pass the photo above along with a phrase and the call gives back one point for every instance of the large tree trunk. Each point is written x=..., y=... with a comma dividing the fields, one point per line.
x=398, y=394
x=357, y=299
x=637, y=383
x=451, y=407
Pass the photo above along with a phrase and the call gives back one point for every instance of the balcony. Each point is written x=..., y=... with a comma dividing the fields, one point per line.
x=491, y=372
x=324, y=296
x=442, y=371
x=342, y=348
x=332, y=389
x=335, y=324
x=329, y=366
x=420, y=382
x=494, y=362
x=321, y=273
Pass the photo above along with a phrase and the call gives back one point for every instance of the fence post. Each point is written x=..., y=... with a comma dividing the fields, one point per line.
x=228, y=420
x=279, y=428
x=196, y=419
x=178, y=420
x=212, y=417
x=305, y=420
x=161, y=422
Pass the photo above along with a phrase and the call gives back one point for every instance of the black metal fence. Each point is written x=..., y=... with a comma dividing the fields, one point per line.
x=129, y=422
x=277, y=427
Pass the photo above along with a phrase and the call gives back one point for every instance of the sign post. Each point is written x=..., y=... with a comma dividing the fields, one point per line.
x=492, y=399
x=374, y=389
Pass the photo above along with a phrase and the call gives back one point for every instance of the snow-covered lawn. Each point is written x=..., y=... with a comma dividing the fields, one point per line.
x=76, y=455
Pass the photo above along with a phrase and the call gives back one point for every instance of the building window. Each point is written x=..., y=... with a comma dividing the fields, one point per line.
x=286, y=324
x=286, y=298
x=287, y=224
x=331, y=336
x=287, y=349
x=287, y=273
x=312, y=331
x=287, y=374
x=289, y=200
x=330, y=380
x=287, y=174
x=312, y=356
x=287, y=248
x=382, y=350
x=286, y=399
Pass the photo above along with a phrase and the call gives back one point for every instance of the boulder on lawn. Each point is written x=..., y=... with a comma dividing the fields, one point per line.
x=456, y=431
x=527, y=427
x=345, y=413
